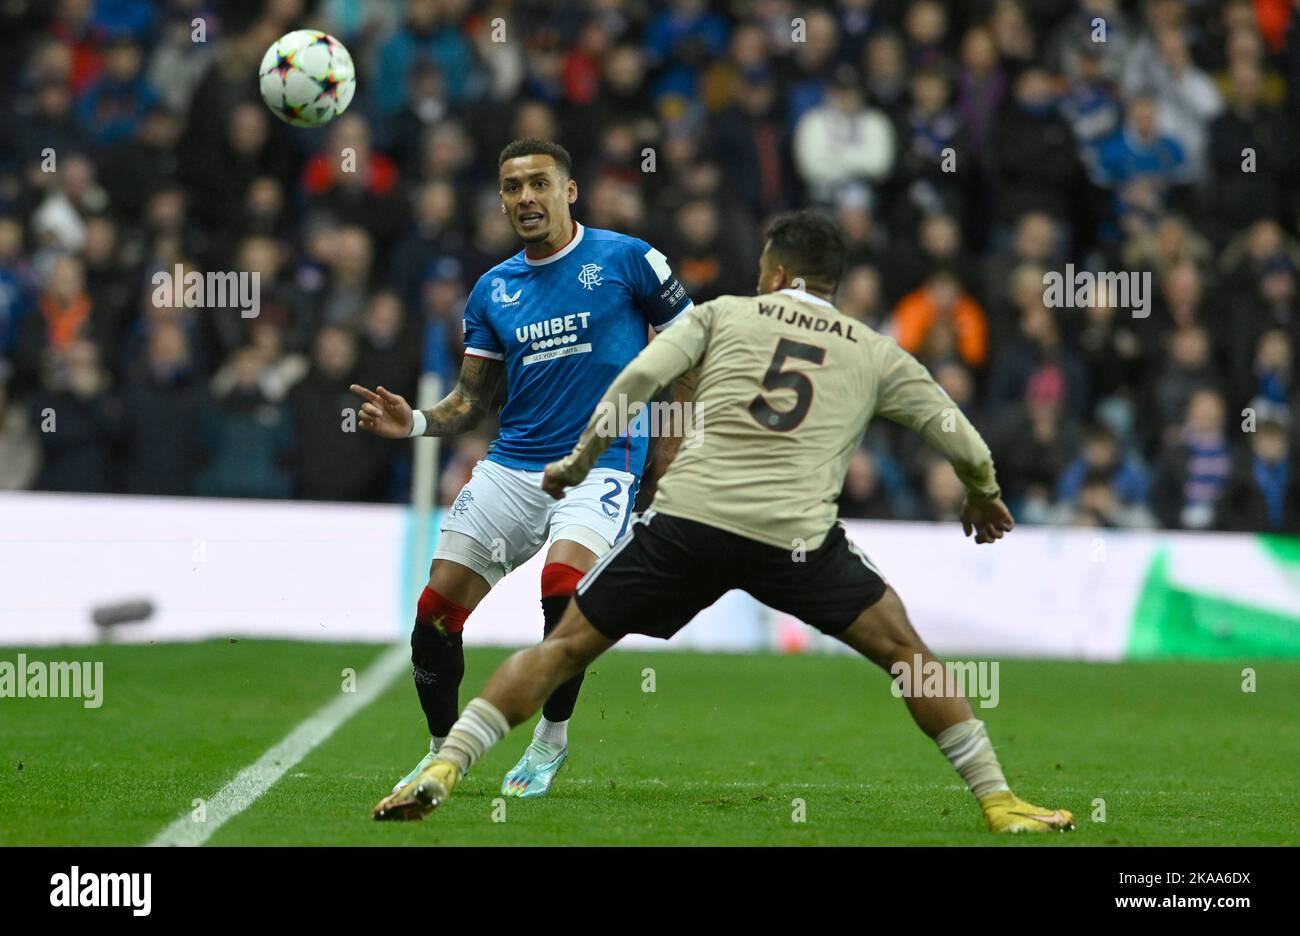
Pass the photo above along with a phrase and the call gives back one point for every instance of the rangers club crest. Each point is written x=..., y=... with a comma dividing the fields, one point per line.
x=589, y=276
x=463, y=504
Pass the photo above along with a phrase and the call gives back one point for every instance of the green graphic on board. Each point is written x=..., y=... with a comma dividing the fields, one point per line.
x=1172, y=620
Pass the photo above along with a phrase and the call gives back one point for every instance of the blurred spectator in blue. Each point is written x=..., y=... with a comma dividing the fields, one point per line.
x=15, y=288
x=1098, y=504
x=443, y=298
x=1186, y=98
x=1140, y=166
x=1120, y=468
x=112, y=108
x=1274, y=390
x=1091, y=103
x=1263, y=492
x=355, y=24
x=431, y=31
x=124, y=16
x=1194, y=466
x=931, y=138
x=680, y=40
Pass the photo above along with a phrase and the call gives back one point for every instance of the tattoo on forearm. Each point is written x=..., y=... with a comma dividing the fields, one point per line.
x=466, y=405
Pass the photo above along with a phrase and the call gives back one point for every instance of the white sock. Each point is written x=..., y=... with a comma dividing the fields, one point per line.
x=435, y=744
x=555, y=733
x=479, y=727
x=966, y=744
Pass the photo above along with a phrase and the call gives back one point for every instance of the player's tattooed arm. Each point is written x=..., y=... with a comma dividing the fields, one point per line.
x=467, y=404
x=388, y=415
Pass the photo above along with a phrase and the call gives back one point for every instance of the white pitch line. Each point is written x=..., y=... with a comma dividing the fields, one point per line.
x=260, y=776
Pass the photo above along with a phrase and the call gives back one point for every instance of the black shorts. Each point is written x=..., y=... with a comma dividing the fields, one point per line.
x=668, y=569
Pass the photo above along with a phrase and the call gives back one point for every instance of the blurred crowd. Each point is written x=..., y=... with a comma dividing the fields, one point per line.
x=966, y=149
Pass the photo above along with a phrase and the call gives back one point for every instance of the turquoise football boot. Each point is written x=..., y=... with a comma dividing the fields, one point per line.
x=425, y=761
x=536, y=770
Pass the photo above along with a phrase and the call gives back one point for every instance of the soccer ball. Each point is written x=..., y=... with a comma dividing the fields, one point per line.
x=307, y=78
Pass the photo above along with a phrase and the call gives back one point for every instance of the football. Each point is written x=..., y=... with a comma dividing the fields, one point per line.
x=307, y=78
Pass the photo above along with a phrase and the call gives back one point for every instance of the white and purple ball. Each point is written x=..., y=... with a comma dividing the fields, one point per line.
x=307, y=78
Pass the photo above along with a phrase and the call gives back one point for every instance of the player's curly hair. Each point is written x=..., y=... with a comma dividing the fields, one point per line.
x=809, y=244
x=532, y=146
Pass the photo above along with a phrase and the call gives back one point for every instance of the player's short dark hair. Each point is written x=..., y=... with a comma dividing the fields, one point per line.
x=808, y=244
x=532, y=146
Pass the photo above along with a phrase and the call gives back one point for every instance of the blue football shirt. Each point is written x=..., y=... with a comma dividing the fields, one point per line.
x=565, y=325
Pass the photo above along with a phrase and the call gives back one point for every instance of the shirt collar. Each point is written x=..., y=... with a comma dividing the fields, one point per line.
x=562, y=252
x=806, y=297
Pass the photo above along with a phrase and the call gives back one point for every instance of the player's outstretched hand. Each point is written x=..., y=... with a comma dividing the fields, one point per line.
x=385, y=414
x=555, y=479
x=989, y=520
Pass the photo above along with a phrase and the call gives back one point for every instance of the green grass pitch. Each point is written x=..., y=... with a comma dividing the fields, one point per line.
x=728, y=749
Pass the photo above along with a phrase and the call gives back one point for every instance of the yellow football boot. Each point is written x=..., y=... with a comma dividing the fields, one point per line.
x=1006, y=812
x=421, y=796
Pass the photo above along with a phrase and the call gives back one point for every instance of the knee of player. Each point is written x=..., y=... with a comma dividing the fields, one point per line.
x=436, y=635
x=884, y=634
